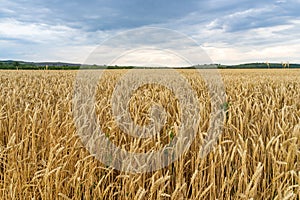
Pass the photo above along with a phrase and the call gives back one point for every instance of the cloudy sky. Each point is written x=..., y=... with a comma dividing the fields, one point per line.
x=229, y=32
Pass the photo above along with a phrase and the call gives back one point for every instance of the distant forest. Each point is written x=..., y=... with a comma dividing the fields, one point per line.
x=16, y=65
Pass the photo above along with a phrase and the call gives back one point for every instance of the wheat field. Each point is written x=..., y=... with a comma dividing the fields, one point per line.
x=257, y=156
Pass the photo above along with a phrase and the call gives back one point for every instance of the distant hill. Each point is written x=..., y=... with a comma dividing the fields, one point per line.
x=260, y=66
x=13, y=64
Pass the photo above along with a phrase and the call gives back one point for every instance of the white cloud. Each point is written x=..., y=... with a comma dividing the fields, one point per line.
x=43, y=42
x=230, y=55
x=150, y=57
x=39, y=33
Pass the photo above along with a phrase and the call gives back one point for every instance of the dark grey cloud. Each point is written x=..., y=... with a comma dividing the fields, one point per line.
x=100, y=15
x=113, y=15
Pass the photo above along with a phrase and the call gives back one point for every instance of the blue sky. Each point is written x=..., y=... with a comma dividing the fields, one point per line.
x=229, y=32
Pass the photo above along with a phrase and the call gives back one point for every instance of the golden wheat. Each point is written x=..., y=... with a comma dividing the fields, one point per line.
x=257, y=156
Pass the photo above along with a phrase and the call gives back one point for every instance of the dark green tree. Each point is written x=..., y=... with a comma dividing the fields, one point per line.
x=16, y=64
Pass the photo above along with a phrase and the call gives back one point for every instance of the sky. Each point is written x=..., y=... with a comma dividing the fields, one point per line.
x=229, y=32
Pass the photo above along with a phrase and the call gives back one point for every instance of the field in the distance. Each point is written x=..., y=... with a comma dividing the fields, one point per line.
x=257, y=156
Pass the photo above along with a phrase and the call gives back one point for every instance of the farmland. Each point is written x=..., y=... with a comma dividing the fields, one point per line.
x=256, y=156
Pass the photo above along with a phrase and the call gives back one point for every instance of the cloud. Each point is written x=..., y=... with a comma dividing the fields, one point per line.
x=37, y=33
x=230, y=31
x=232, y=55
x=99, y=14
x=43, y=42
x=142, y=45
x=246, y=34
